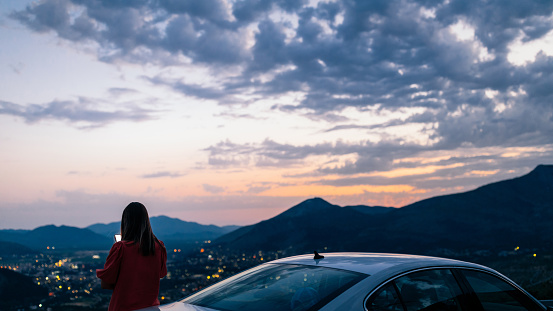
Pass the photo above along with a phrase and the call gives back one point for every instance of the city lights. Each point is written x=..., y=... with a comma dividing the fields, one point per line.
x=72, y=280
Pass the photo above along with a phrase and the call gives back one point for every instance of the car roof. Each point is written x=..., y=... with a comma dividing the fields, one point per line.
x=372, y=263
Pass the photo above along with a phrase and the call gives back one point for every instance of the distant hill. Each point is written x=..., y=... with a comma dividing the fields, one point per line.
x=11, y=294
x=167, y=228
x=9, y=249
x=60, y=237
x=174, y=232
x=498, y=216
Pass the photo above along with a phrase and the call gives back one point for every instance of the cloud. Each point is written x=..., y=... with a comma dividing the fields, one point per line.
x=381, y=159
x=231, y=115
x=451, y=59
x=83, y=112
x=193, y=90
x=118, y=91
x=162, y=174
x=364, y=53
x=213, y=189
x=270, y=153
x=258, y=189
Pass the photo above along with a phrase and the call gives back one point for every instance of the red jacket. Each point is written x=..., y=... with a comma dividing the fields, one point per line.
x=136, y=277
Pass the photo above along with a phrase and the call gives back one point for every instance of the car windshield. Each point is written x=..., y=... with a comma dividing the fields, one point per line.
x=277, y=287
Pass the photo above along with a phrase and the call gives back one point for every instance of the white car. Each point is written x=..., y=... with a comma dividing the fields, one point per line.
x=362, y=281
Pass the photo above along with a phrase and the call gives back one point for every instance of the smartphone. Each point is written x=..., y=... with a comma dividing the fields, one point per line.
x=117, y=237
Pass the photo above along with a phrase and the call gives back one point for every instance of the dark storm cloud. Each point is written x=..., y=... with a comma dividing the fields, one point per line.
x=372, y=57
x=213, y=10
x=81, y=111
x=385, y=54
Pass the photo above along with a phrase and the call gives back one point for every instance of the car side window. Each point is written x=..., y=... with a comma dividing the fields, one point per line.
x=496, y=294
x=385, y=299
x=429, y=290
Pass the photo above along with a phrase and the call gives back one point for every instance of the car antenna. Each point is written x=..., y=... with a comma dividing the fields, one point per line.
x=317, y=256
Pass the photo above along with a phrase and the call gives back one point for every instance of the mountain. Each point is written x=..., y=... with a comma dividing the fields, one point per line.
x=107, y=230
x=501, y=215
x=60, y=237
x=312, y=224
x=497, y=216
x=174, y=232
x=372, y=210
x=10, y=249
x=167, y=228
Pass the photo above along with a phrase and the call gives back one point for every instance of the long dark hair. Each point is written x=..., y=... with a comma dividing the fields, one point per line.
x=135, y=226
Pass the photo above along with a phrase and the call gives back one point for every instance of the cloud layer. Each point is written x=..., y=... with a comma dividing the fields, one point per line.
x=445, y=57
x=88, y=112
x=452, y=64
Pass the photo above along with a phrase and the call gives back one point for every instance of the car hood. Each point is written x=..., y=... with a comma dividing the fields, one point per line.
x=177, y=306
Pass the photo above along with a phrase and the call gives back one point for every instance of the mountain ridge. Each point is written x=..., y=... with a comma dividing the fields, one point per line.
x=298, y=221
x=166, y=227
x=52, y=236
x=499, y=215
x=173, y=231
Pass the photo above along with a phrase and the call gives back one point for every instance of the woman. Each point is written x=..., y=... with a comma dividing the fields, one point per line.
x=135, y=264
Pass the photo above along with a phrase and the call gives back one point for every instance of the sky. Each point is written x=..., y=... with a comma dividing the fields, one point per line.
x=232, y=111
